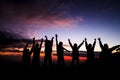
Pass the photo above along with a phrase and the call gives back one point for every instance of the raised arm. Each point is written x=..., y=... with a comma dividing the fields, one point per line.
x=100, y=43
x=86, y=44
x=46, y=38
x=81, y=44
x=52, y=40
x=26, y=46
x=41, y=43
x=33, y=45
x=66, y=49
x=56, y=40
x=114, y=47
x=70, y=43
x=94, y=44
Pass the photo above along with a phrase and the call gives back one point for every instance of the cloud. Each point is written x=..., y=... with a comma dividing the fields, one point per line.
x=12, y=40
x=31, y=17
x=55, y=21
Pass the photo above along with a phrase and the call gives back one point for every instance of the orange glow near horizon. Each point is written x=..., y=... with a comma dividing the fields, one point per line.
x=83, y=58
x=15, y=56
x=10, y=54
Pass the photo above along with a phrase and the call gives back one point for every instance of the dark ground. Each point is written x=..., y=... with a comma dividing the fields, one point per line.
x=12, y=70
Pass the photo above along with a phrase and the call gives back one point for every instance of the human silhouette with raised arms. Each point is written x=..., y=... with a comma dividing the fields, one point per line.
x=48, y=51
x=90, y=51
x=36, y=54
x=75, y=52
x=60, y=52
x=106, y=53
x=26, y=57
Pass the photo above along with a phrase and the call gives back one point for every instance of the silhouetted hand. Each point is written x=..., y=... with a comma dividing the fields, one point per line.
x=52, y=38
x=42, y=40
x=85, y=39
x=34, y=40
x=45, y=36
x=69, y=40
x=99, y=39
x=56, y=35
x=95, y=39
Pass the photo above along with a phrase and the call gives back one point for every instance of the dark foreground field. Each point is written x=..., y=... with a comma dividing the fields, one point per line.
x=12, y=70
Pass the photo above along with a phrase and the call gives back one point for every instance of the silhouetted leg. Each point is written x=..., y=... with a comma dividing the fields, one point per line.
x=63, y=61
x=73, y=60
x=77, y=61
x=58, y=61
x=50, y=61
x=45, y=61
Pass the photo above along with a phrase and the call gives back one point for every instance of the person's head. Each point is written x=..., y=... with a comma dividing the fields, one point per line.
x=90, y=45
x=75, y=45
x=106, y=46
x=60, y=43
x=37, y=45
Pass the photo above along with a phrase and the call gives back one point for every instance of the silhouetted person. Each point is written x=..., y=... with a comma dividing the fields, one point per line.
x=26, y=58
x=60, y=50
x=48, y=51
x=36, y=54
x=106, y=53
x=75, y=52
x=90, y=51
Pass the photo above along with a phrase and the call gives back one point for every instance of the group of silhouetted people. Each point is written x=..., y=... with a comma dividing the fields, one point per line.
x=105, y=57
x=36, y=49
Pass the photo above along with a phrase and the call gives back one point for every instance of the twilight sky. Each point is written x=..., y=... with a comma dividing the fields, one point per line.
x=74, y=19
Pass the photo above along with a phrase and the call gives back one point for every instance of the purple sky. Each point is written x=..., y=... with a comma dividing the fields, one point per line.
x=74, y=19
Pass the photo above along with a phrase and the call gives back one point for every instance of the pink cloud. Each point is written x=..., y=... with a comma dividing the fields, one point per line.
x=54, y=21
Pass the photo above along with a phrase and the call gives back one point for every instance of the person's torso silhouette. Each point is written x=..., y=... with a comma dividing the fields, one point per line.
x=36, y=54
x=60, y=52
x=90, y=51
x=26, y=57
x=106, y=53
x=75, y=52
x=48, y=51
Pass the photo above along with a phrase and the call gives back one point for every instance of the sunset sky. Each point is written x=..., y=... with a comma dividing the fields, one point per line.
x=73, y=19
